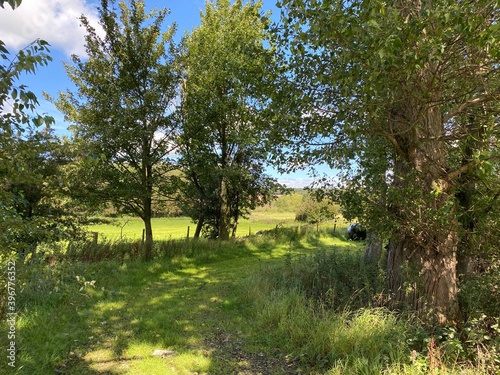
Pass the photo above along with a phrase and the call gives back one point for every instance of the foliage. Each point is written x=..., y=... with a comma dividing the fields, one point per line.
x=38, y=194
x=286, y=202
x=13, y=3
x=315, y=209
x=20, y=143
x=122, y=109
x=402, y=98
x=225, y=63
x=252, y=295
x=325, y=311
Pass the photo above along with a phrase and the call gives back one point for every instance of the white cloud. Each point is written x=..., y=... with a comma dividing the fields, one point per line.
x=295, y=182
x=56, y=21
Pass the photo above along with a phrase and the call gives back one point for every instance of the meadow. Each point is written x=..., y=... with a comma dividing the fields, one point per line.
x=290, y=301
x=172, y=228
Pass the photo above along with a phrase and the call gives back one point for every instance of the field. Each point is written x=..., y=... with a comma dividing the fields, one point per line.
x=291, y=301
x=130, y=228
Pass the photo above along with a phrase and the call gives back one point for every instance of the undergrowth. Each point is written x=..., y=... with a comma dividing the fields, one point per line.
x=325, y=311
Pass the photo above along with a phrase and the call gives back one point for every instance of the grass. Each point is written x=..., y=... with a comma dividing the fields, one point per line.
x=258, y=305
x=130, y=228
x=114, y=316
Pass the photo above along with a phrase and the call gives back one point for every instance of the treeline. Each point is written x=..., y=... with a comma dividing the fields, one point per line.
x=158, y=127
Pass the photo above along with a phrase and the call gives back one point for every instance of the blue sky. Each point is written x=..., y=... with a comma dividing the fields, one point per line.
x=56, y=21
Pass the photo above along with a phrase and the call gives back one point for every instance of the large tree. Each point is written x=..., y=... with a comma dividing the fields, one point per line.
x=226, y=66
x=386, y=90
x=122, y=108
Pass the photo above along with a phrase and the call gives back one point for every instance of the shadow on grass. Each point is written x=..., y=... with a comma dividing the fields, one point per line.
x=112, y=318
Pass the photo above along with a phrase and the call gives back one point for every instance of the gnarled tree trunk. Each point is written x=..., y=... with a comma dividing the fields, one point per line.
x=422, y=255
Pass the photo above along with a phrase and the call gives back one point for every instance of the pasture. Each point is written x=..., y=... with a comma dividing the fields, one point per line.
x=172, y=228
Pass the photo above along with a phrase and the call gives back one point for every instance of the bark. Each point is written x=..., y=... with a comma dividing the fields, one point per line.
x=373, y=251
x=466, y=189
x=235, y=227
x=148, y=245
x=424, y=278
x=147, y=171
x=224, y=213
x=236, y=216
x=199, y=224
x=224, y=210
x=422, y=254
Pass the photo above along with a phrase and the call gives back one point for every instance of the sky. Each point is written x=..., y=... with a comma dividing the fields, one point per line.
x=57, y=22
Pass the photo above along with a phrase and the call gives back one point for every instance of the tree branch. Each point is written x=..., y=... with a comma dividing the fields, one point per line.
x=464, y=168
x=470, y=103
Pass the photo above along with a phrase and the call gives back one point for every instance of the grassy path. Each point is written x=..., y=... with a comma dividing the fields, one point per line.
x=109, y=318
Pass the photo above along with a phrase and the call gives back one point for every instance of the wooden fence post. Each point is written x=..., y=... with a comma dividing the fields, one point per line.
x=187, y=236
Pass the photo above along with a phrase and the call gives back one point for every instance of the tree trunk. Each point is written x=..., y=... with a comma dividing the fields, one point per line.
x=224, y=210
x=424, y=278
x=148, y=246
x=466, y=189
x=199, y=224
x=148, y=201
x=236, y=213
x=422, y=254
x=373, y=250
x=235, y=227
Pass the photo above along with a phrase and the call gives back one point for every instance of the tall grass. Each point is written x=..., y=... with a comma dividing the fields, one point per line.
x=324, y=311
x=307, y=295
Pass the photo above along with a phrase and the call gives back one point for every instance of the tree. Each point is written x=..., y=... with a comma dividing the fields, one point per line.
x=18, y=126
x=383, y=89
x=315, y=209
x=226, y=66
x=122, y=109
x=248, y=186
x=38, y=199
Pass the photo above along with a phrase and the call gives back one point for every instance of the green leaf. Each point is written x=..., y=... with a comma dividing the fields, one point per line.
x=373, y=23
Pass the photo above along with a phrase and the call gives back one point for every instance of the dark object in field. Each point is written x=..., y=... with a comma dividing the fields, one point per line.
x=356, y=232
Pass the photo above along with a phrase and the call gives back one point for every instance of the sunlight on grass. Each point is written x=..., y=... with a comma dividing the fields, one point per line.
x=100, y=356
x=225, y=308
x=130, y=228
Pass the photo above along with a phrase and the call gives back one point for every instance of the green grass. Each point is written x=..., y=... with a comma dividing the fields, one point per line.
x=130, y=228
x=244, y=306
x=113, y=326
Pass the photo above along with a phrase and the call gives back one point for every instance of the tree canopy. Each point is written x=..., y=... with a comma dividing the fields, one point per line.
x=226, y=66
x=122, y=109
x=21, y=144
x=394, y=93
